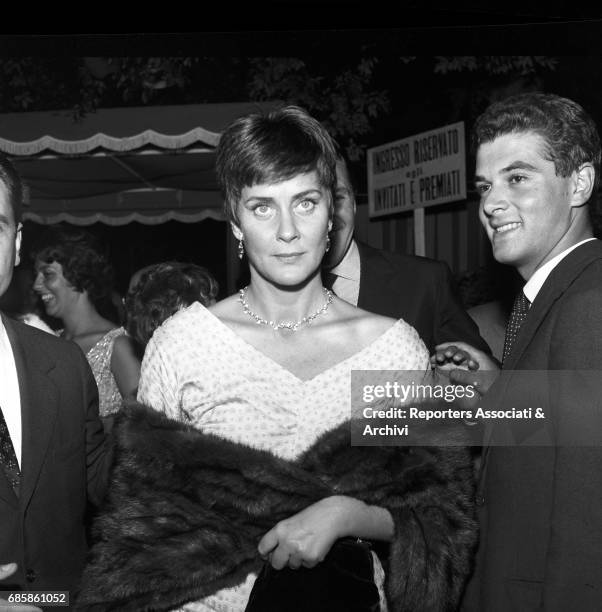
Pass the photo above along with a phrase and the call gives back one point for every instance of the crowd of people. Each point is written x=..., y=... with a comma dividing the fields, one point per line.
x=193, y=454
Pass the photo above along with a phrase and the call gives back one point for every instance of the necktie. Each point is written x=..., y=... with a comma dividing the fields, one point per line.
x=520, y=308
x=8, y=458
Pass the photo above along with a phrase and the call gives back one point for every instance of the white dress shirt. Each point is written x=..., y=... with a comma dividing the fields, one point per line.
x=10, y=399
x=347, y=272
x=539, y=277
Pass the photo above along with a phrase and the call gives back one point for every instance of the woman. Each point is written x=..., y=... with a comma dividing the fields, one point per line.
x=158, y=291
x=73, y=278
x=269, y=367
x=21, y=303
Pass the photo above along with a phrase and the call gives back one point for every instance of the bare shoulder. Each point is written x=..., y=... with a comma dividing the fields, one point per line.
x=226, y=309
x=366, y=325
x=123, y=345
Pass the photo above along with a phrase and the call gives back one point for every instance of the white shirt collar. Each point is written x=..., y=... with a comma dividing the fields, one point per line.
x=349, y=266
x=539, y=277
x=5, y=345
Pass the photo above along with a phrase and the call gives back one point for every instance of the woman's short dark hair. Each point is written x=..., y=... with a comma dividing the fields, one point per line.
x=161, y=291
x=272, y=147
x=83, y=258
x=569, y=133
x=14, y=187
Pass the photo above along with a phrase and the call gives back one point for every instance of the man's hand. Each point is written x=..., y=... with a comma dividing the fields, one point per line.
x=6, y=606
x=452, y=355
x=466, y=365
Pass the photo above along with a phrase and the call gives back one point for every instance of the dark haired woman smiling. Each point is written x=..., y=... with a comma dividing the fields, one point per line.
x=74, y=281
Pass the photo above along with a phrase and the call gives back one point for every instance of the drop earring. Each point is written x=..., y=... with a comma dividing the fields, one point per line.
x=327, y=244
x=241, y=249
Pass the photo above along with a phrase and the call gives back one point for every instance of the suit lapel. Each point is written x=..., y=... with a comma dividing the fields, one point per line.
x=555, y=285
x=545, y=299
x=6, y=491
x=39, y=405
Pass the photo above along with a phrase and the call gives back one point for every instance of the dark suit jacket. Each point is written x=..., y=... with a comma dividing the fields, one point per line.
x=420, y=291
x=63, y=456
x=541, y=506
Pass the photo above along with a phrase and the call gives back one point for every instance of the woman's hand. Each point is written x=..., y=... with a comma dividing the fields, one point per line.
x=305, y=538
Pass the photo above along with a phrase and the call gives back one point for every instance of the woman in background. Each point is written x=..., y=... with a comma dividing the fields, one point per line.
x=160, y=290
x=21, y=303
x=74, y=280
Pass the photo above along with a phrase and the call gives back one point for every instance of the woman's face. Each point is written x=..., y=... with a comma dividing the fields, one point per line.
x=284, y=227
x=56, y=292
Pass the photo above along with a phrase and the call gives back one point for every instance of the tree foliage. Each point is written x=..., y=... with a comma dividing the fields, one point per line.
x=140, y=79
x=41, y=83
x=349, y=94
x=347, y=102
x=494, y=64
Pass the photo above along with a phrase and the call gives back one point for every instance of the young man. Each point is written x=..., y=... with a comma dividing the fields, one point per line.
x=537, y=166
x=416, y=289
x=51, y=439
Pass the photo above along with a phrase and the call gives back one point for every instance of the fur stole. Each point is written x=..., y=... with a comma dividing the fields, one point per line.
x=185, y=511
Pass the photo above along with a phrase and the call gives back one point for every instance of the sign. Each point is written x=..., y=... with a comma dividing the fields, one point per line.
x=419, y=171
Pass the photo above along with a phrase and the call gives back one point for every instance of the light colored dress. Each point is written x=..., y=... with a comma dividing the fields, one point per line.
x=199, y=371
x=99, y=358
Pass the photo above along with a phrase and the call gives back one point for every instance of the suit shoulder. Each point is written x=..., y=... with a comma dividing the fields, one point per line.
x=576, y=322
x=591, y=272
x=41, y=340
x=588, y=280
x=419, y=262
x=580, y=303
x=404, y=261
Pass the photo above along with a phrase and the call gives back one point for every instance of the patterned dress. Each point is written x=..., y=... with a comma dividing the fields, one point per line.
x=99, y=358
x=197, y=370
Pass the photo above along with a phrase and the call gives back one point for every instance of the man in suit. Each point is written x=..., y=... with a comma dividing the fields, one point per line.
x=540, y=491
x=416, y=289
x=52, y=457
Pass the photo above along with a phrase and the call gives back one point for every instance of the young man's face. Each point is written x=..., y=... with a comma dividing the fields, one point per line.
x=525, y=207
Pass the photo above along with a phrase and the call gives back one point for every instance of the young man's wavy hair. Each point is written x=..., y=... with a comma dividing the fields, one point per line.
x=570, y=134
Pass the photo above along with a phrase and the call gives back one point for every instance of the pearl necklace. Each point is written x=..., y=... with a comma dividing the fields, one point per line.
x=284, y=324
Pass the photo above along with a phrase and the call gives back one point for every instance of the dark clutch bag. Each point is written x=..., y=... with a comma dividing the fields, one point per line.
x=343, y=582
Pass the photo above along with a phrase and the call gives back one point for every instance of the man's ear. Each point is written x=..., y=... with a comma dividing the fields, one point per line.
x=584, y=183
x=236, y=230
